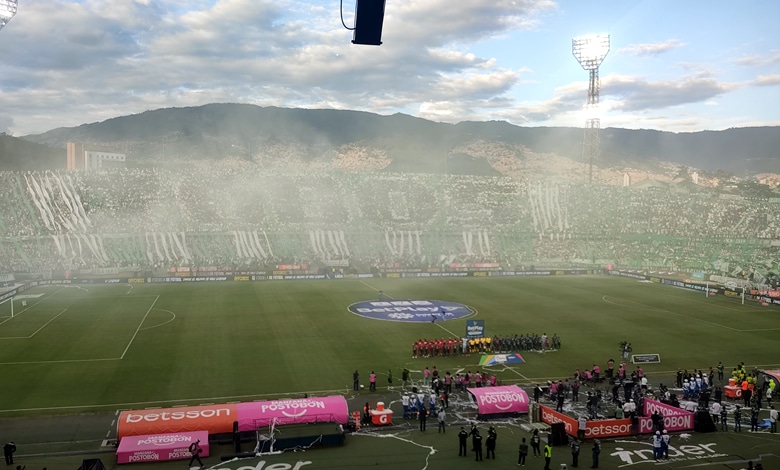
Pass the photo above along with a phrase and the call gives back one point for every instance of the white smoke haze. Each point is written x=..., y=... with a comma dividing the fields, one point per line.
x=241, y=214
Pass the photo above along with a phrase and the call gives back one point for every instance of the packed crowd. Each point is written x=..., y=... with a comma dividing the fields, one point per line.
x=236, y=213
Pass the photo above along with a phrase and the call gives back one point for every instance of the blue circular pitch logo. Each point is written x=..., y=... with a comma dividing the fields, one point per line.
x=419, y=311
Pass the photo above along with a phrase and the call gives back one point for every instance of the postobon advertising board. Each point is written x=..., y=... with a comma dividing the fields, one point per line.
x=500, y=400
x=161, y=447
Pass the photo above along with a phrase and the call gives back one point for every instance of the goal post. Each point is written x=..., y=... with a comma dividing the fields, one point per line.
x=7, y=305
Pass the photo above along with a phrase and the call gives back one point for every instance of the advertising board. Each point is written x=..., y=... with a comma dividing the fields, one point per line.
x=500, y=400
x=219, y=418
x=161, y=447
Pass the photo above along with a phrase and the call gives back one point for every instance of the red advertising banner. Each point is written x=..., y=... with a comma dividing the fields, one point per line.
x=595, y=429
x=768, y=293
x=291, y=267
x=215, y=419
x=474, y=265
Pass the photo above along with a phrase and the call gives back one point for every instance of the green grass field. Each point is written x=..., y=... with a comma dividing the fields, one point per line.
x=111, y=345
x=103, y=348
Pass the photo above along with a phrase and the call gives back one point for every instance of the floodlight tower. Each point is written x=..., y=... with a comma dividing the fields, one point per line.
x=590, y=51
x=7, y=11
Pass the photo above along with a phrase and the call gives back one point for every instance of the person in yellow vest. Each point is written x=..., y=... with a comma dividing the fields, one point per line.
x=547, y=456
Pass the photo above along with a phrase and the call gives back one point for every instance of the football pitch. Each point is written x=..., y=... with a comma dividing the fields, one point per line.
x=95, y=349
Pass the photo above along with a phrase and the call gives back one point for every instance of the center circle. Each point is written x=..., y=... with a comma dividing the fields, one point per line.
x=414, y=311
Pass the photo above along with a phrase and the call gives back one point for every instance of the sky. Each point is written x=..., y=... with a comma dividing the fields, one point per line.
x=680, y=66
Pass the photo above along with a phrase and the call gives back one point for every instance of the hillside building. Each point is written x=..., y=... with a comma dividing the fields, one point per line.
x=92, y=157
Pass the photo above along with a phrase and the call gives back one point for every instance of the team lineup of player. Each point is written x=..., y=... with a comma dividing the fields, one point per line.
x=485, y=344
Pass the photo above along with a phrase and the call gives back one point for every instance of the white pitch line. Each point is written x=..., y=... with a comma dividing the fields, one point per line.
x=173, y=317
x=31, y=306
x=445, y=329
x=139, y=327
x=516, y=372
x=64, y=361
x=659, y=309
x=373, y=288
x=45, y=324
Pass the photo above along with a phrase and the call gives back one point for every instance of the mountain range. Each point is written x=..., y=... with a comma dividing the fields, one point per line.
x=271, y=135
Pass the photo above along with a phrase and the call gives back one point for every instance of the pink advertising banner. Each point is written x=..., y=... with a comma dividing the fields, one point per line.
x=504, y=399
x=651, y=406
x=219, y=418
x=253, y=415
x=160, y=447
x=675, y=419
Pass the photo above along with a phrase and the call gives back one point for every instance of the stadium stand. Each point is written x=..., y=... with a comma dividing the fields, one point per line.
x=233, y=213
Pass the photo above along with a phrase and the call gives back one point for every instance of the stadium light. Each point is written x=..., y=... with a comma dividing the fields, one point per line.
x=590, y=52
x=7, y=11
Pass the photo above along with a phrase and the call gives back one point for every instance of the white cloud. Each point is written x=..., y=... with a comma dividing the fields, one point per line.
x=767, y=80
x=651, y=49
x=67, y=62
x=637, y=93
x=71, y=63
x=621, y=96
x=759, y=60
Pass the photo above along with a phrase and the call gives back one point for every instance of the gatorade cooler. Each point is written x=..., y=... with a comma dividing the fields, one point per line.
x=380, y=416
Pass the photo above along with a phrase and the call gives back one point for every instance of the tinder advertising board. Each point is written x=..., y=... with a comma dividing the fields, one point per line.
x=498, y=400
x=161, y=447
x=219, y=419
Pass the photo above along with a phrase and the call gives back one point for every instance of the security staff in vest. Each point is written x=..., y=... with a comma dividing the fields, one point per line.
x=547, y=456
